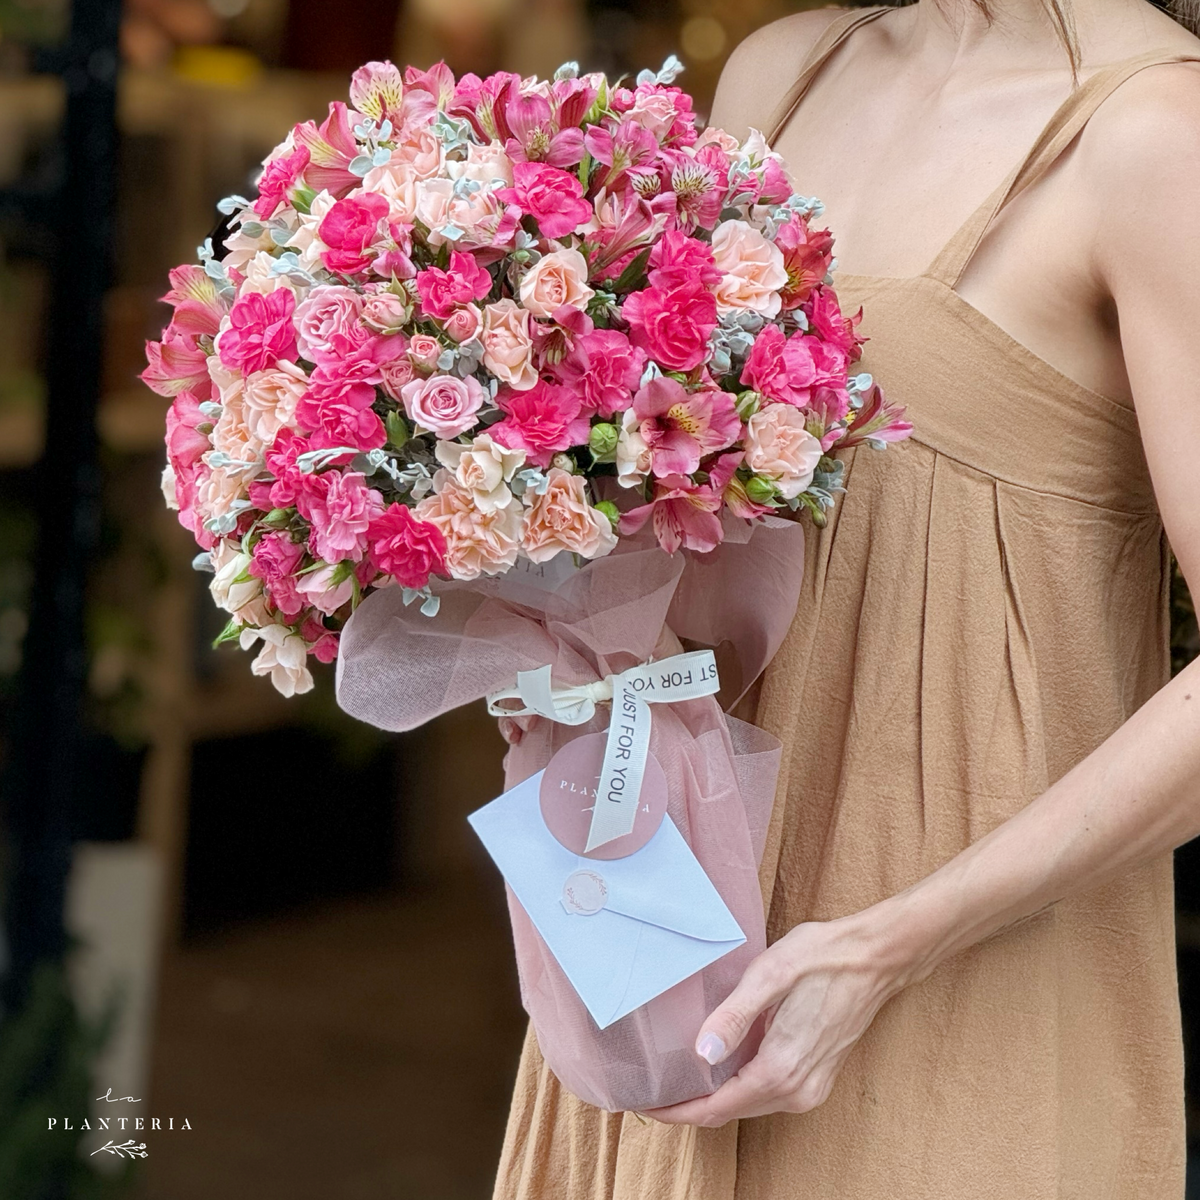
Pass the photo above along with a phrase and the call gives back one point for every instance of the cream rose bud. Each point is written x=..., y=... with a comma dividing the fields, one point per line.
x=483, y=468
x=229, y=562
x=284, y=658
x=167, y=484
x=752, y=269
x=779, y=447
x=560, y=278
x=463, y=323
x=562, y=519
x=633, y=454
x=508, y=345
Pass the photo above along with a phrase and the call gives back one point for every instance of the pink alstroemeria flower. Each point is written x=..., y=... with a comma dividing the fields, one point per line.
x=681, y=427
x=198, y=306
x=280, y=175
x=876, y=421
x=377, y=91
x=807, y=255
x=177, y=364
x=630, y=145
x=683, y=513
x=331, y=147
x=540, y=134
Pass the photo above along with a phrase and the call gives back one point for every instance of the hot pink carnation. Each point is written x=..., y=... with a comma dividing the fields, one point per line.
x=604, y=369
x=406, y=549
x=350, y=228
x=260, y=331
x=275, y=560
x=443, y=291
x=553, y=197
x=337, y=412
x=673, y=325
x=279, y=176
x=681, y=261
x=541, y=421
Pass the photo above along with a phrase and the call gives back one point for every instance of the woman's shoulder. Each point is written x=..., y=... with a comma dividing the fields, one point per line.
x=763, y=67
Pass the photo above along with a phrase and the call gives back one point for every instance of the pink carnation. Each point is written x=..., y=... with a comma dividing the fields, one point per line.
x=406, y=549
x=791, y=369
x=827, y=320
x=673, y=326
x=541, y=421
x=279, y=176
x=337, y=412
x=678, y=260
x=603, y=369
x=553, y=197
x=260, y=332
x=275, y=560
x=443, y=291
x=350, y=229
x=341, y=512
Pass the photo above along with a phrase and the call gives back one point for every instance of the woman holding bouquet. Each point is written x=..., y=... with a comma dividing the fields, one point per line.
x=972, y=979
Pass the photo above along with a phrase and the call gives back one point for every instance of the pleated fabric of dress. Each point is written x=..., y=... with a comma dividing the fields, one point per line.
x=988, y=604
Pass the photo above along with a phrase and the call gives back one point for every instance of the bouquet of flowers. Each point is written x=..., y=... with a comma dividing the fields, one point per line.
x=506, y=378
x=471, y=322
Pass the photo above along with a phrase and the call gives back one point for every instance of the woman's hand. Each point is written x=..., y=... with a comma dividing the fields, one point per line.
x=821, y=986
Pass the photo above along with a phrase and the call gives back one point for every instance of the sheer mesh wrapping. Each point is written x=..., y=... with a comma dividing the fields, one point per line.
x=398, y=669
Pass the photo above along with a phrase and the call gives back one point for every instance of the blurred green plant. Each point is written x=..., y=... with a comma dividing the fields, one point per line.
x=37, y=21
x=47, y=1052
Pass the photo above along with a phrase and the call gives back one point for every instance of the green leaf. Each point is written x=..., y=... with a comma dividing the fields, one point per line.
x=631, y=278
x=230, y=633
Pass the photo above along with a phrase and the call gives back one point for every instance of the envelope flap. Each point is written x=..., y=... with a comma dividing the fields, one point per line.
x=689, y=905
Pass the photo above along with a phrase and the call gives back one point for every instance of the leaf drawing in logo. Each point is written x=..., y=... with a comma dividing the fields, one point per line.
x=130, y=1149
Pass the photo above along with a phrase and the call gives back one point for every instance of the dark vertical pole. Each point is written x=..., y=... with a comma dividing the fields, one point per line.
x=44, y=774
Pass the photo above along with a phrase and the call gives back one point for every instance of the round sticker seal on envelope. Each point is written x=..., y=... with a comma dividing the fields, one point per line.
x=568, y=798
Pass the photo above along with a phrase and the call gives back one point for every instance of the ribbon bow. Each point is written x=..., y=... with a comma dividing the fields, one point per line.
x=668, y=681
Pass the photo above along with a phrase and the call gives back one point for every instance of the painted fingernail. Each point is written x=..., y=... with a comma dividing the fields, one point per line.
x=711, y=1048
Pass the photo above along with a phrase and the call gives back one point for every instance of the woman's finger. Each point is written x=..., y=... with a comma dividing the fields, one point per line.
x=766, y=981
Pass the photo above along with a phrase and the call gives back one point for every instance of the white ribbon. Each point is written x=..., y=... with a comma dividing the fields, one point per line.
x=668, y=681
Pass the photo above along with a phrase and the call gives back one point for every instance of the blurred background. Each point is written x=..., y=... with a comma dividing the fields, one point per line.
x=254, y=920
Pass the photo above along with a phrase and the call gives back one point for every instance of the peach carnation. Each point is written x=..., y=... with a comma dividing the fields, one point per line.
x=562, y=519
x=477, y=542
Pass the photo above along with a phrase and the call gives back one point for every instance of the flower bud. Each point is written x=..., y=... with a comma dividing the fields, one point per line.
x=602, y=440
x=610, y=510
x=761, y=490
x=564, y=462
x=397, y=430
x=747, y=404
x=277, y=518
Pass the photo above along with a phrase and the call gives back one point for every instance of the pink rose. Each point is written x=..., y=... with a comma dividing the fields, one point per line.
x=464, y=323
x=349, y=229
x=508, y=345
x=672, y=326
x=340, y=512
x=424, y=351
x=562, y=519
x=395, y=375
x=555, y=281
x=406, y=549
x=477, y=542
x=319, y=589
x=779, y=447
x=752, y=269
x=443, y=404
x=326, y=313
x=552, y=196
x=604, y=369
x=275, y=560
x=260, y=332
x=541, y=421
x=443, y=291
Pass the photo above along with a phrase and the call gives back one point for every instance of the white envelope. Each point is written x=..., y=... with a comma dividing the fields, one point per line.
x=662, y=921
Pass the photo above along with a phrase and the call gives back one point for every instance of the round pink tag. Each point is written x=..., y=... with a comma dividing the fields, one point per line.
x=568, y=793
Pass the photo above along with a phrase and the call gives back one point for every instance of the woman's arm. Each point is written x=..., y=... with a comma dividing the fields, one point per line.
x=1133, y=799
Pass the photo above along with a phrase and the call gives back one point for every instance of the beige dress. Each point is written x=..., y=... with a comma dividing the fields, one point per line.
x=989, y=604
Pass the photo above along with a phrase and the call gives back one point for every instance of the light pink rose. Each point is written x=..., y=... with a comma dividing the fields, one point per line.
x=779, y=447
x=508, y=345
x=327, y=312
x=562, y=519
x=555, y=280
x=318, y=588
x=419, y=152
x=752, y=269
x=385, y=312
x=395, y=375
x=486, y=165
x=233, y=436
x=634, y=459
x=270, y=400
x=396, y=182
x=424, y=351
x=463, y=323
x=477, y=542
x=654, y=111
x=443, y=404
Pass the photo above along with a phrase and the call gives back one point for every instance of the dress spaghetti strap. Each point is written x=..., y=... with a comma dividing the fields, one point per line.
x=1060, y=131
x=833, y=35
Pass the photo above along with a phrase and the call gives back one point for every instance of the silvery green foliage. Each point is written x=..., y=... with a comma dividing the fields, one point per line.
x=733, y=337
x=530, y=480
x=670, y=71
